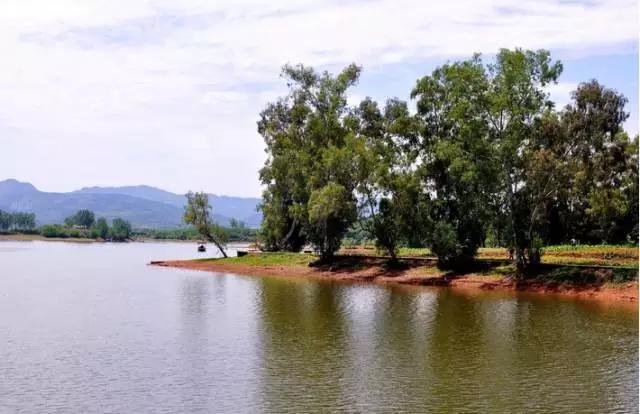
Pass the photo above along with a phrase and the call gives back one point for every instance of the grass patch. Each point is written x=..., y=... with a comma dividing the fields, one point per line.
x=630, y=251
x=415, y=252
x=430, y=270
x=586, y=276
x=267, y=259
x=607, y=255
x=572, y=260
x=499, y=271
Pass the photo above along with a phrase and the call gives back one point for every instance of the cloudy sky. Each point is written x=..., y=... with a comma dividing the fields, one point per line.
x=167, y=93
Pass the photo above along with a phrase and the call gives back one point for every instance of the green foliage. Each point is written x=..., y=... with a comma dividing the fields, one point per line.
x=269, y=259
x=310, y=152
x=331, y=212
x=456, y=153
x=239, y=233
x=120, y=230
x=101, y=228
x=218, y=233
x=579, y=276
x=392, y=207
x=6, y=220
x=63, y=232
x=485, y=159
x=188, y=233
x=53, y=230
x=82, y=218
x=447, y=244
x=386, y=227
x=444, y=242
x=199, y=214
x=599, y=198
x=17, y=221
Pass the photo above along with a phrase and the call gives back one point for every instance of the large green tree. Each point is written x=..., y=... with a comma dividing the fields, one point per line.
x=120, y=229
x=486, y=158
x=310, y=157
x=458, y=167
x=84, y=218
x=384, y=173
x=601, y=198
x=102, y=228
x=516, y=102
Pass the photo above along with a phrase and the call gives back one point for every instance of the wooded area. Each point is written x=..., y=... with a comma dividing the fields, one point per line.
x=484, y=159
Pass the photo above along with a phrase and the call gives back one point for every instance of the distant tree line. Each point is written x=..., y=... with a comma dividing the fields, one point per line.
x=236, y=231
x=17, y=221
x=485, y=158
x=79, y=225
x=83, y=224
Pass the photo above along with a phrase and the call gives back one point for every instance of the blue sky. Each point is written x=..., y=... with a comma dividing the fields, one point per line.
x=165, y=93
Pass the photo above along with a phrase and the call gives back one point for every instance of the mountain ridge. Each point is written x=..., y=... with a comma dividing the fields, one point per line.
x=142, y=205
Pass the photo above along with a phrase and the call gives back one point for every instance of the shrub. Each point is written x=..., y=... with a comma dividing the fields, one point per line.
x=53, y=230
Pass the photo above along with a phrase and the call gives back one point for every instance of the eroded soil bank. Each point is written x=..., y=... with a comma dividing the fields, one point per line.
x=583, y=283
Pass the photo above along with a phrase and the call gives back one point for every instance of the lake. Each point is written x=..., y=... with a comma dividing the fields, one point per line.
x=91, y=328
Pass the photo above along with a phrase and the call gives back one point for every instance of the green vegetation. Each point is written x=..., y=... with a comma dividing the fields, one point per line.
x=567, y=275
x=59, y=231
x=120, y=230
x=269, y=259
x=101, y=228
x=601, y=255
x=83, y=218
x=83, y=225
x=238, y=232
x=199, y=214
x=17, y=221
x=168, y=234
x=486, y=160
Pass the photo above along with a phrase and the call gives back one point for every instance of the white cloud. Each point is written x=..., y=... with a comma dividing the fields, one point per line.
x=560, y=93
x=167, y=93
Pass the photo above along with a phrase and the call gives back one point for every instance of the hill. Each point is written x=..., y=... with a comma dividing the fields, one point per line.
x=143, y=206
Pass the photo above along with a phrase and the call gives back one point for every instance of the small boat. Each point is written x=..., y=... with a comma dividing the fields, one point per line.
x=201, y=248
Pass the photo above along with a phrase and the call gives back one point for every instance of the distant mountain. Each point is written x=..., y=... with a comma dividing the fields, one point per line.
x=240, y=208
x=13, y=187
x=140, y=191
x=143, y=206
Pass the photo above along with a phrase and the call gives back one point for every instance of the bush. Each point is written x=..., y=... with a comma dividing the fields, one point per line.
x=53, y=230
x=120, y=229
x=445, y=245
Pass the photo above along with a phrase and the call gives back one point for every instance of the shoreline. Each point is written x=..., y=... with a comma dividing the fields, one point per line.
x=625, y=292
x=38, y=237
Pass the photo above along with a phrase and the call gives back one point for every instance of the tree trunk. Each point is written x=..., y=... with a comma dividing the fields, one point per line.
x=214, y=241
x=289, y=234
x=521, y=261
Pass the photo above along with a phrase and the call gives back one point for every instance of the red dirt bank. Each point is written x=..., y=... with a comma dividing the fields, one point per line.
x=375, y=273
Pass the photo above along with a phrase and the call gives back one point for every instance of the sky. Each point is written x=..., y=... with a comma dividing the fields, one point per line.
x=167, y=93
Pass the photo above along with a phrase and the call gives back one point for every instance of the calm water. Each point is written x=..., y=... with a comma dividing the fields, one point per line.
x=91, y=328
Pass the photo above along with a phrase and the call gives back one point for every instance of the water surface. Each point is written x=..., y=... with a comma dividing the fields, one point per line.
x=92, y=328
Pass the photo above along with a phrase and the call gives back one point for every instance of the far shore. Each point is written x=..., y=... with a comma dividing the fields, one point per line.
x=367, y=270
x=38, y=237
